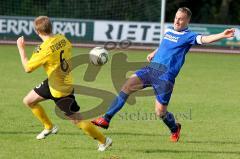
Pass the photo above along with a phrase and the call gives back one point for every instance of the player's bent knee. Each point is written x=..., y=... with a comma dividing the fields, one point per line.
x=75, y=121
x=161, y=114
x=128, y=89
x=125, y=89
x=27, y=102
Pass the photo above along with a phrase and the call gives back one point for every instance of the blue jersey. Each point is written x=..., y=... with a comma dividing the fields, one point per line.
x=173, y=48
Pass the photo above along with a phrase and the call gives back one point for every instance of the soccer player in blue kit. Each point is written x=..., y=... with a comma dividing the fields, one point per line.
x=165, y=64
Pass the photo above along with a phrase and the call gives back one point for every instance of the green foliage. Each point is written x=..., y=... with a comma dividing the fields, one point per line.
x=204, y=11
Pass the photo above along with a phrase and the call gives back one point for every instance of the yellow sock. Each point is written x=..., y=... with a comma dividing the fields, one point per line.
x=91, y=130
x=39, y=112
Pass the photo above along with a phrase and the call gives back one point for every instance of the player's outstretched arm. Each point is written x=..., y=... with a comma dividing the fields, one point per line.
x=21, y=49
x=228, y=33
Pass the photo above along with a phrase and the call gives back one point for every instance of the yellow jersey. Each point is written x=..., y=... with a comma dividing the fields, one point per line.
x=54, y=55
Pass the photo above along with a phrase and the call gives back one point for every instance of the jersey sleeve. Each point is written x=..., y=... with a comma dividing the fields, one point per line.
x=39, y=58
x=195, y=39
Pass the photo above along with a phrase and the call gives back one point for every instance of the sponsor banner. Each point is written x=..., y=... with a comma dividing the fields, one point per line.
x=103, y=31
x=137, y=32
x=149, y=33
x=75, y=30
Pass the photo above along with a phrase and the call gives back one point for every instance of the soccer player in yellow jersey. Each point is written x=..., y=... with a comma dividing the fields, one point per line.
x=53, y=54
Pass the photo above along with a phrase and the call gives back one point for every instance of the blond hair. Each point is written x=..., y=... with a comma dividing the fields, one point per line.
x=43, y=25
x=186, y=10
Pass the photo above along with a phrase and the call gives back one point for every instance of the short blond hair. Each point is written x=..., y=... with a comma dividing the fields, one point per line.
x=43, y=25
x=187, y=11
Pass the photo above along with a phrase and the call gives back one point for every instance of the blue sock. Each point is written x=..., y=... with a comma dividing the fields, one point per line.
x=116, y=105
x=169, y=120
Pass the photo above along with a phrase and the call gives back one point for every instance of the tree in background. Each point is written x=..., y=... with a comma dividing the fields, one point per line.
x=204, y=11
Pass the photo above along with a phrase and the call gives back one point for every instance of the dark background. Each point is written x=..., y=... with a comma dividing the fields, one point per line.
x=204, y=11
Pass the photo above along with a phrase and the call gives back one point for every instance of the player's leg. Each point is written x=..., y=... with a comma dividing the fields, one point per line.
x=69, y=106
x=91, y=130
x=32, y=101
x=169, y=120
x=163, y=91
x=133, y=84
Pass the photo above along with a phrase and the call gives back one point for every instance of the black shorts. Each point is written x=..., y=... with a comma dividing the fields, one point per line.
x=66, y=104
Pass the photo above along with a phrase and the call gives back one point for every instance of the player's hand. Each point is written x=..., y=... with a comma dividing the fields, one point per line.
x=20, y=43
x=150, y=56
x=228, y=33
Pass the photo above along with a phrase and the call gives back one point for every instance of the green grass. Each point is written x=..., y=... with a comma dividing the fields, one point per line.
x=205, y=100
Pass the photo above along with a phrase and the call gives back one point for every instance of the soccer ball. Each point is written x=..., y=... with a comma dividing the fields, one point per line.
x=98, y=56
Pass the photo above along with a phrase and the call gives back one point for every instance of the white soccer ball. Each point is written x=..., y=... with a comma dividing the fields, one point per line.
x=98, y=56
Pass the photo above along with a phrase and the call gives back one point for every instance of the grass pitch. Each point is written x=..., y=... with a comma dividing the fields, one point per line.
x=205, y=101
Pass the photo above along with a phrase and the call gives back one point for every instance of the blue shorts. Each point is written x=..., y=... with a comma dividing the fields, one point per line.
x=161, y=82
